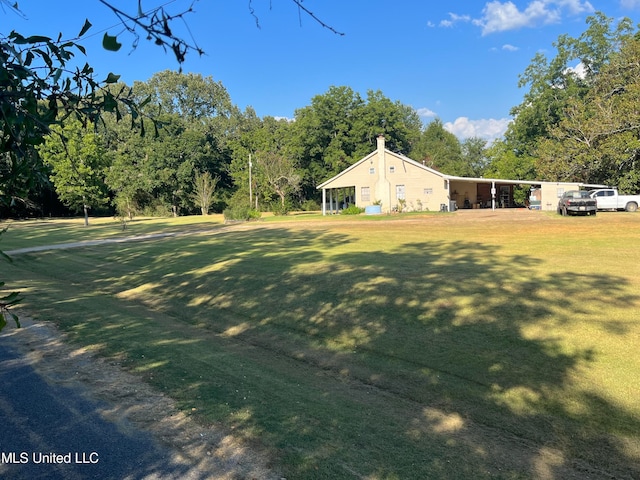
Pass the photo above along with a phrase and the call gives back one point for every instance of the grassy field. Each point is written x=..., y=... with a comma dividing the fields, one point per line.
x=467, y=345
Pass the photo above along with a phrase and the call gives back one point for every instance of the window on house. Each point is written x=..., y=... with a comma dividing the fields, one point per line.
x=365, y=194
x=372, y=170
x=428, y=191
x=400, y=192
x=560, y=192
x=392, y=169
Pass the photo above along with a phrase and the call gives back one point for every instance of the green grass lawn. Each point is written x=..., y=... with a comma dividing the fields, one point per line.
x=433, y=346
x=31, y=233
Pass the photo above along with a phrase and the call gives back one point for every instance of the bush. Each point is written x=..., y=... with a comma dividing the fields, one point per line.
x=241, y=213
x=279, y=209
x=157, y=210
x=310, y=206
x=352, y=210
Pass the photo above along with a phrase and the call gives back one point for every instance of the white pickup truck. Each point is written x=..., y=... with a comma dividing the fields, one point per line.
x=609, y=199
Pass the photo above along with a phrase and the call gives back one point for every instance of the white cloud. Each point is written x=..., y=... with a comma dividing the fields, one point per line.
x=488, y=129
x=510, y=48
x=630, y=4
x=426, y=113
x=453, y=19
x=500, y=16
x=580, y=71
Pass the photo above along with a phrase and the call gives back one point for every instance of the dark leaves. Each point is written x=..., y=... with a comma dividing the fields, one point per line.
x=110, y=43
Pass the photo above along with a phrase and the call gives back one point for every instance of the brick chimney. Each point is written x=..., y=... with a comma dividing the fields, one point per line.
x=383, y=187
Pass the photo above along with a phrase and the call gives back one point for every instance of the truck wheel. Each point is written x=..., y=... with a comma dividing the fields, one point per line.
x=631, y=207
x=564, y=212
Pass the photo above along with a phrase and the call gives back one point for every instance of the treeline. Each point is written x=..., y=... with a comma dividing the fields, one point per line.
x=579, y=121
x=202, y=149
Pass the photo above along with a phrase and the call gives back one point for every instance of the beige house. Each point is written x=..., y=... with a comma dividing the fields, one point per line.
x=384, y=182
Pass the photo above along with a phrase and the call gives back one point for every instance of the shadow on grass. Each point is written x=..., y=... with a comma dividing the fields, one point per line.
x=34, y=233
x=431, y=360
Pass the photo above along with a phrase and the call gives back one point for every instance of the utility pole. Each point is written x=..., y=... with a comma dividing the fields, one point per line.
x=250, y=186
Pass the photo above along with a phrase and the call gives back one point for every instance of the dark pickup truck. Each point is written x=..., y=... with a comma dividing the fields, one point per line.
x=576, y=202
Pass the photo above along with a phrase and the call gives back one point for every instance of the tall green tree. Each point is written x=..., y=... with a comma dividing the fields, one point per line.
x=340, y=127
x=440, y=149
x=130, y=174
x=188, y=95
x=475, y=155
x=78, y=165
x=400, y=125
x=598, y=138
x=197, y=124
x=324, y=132
x=555, y=82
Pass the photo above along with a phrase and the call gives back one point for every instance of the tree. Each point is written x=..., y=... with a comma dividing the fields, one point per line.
x=554, y=83
x=204, y=189
x=190, y=96
x=400, y=125
x=504, y=162
x=324, y=132
x=129, y=176
x=340, y=127
x=41, y=86
x=441, y=150
x=78, y=166
x=280, y=175
x=474, y=154
x=598, y=139
x=198, y=125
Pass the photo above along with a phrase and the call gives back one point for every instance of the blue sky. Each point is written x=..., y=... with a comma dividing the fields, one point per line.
x=458, y=60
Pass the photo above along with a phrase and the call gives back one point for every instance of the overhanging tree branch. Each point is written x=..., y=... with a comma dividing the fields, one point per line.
x=301, y=8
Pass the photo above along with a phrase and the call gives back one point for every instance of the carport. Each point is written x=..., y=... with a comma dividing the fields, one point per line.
x=468, y=192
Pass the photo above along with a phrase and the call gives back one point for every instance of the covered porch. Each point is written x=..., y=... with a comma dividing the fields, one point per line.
x=336, y=199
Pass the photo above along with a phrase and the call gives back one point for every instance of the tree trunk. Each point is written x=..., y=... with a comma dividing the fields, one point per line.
x=129, y=210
